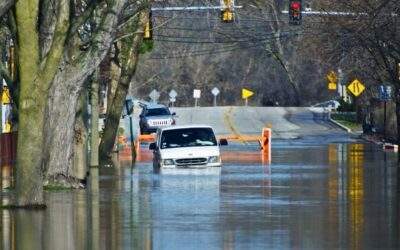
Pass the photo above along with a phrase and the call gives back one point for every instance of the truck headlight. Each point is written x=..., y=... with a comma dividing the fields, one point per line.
x=168, y=162
x=214, y=159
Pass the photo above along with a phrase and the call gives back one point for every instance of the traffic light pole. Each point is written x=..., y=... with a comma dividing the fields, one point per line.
x=384, y=120
x=133, y=150
x=190, y=8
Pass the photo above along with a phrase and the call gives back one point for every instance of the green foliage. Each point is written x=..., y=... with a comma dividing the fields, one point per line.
x=146, y=46
x=346, y=107
x=350, y=117
x=347, y=119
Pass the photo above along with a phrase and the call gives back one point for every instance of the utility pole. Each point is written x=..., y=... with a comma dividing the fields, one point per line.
x=129, y=112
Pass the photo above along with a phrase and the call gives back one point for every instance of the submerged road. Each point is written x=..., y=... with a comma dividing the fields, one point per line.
x=325, y=189
x=299, y=125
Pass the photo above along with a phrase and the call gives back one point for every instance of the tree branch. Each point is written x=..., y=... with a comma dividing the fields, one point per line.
x=51, y=61
x=5, y=5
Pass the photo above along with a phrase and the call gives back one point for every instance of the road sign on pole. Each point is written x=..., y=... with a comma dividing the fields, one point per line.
x=332, y=86
x=172, y=100
x=332, y=77
x=196, y=96
x=356, y=87
x=154, y=96
x=332, y=80
x=172, y=97
x=246, y=93
x=173, y=94
x=215, y=92
x=385, y=93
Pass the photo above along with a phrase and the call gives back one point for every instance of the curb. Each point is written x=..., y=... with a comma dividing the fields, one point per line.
x=340, y=125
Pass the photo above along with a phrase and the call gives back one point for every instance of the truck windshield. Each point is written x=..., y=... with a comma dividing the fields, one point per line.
x=157, y=111
x=188, y=137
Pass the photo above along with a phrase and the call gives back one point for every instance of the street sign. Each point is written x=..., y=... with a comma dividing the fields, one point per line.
x=6, y=95
x=173, y=94
x=247, y=93
x=172, y=99
x=332, y=77
x=154, y=95
x=196, y=93
x=215, y=91
x=332, y=86
x=356, y=87
x=385, y=93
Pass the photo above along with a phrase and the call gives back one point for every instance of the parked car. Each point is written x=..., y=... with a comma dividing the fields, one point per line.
x=192, y=146
x=155, y=116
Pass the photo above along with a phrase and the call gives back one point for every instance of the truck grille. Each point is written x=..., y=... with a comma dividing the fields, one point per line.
x=191, y=161
x=160, y=123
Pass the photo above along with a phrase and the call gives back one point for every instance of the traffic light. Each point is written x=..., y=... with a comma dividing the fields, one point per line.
x=295, y=8
x=148, y=29
x=227, y=14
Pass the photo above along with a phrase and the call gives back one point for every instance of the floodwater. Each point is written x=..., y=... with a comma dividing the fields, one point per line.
x=310, y=197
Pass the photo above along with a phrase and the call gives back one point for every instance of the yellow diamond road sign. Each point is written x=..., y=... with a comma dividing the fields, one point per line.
x=332, y=77
x=356, y=87
x=246, y=93
x=332, y=86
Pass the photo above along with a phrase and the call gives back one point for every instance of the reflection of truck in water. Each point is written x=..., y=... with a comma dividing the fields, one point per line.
x=186, y=147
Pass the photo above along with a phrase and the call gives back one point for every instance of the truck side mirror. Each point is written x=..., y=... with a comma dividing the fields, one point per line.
x=223, y=142
x=152, y=146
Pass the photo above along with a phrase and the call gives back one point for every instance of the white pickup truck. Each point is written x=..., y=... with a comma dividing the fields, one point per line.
x=193, y=146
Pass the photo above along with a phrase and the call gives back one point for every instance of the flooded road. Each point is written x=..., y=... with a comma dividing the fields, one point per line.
x=310, y=197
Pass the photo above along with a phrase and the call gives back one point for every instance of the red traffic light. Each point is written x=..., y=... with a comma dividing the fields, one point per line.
x=296, y=5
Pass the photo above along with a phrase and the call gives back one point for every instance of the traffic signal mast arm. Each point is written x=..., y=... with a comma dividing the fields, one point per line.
x=333, y=13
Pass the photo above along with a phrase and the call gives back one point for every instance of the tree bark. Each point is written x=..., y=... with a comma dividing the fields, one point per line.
x=128, y=71
x=5, y=5
x=80, y=140
x=35, y=79
x=29, y=187
x=64, y=93
x=94, y=118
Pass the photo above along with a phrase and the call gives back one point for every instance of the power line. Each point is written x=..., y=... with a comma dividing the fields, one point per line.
x=213, y=51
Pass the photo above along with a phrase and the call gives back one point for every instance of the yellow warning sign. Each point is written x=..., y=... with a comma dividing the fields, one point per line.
x=247, y=93
x=332, y=86
x=356, y=87
x=332, y=77
x=6, y=96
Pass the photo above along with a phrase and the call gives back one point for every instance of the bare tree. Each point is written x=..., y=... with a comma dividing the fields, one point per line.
x=5, y=5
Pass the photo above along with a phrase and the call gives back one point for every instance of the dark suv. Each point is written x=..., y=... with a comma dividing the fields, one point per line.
x=154, y=116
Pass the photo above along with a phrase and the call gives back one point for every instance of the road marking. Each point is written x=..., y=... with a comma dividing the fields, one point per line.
x=229, y=123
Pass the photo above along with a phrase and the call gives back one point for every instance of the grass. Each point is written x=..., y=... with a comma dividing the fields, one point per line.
x=351, y=125
x=348, y=120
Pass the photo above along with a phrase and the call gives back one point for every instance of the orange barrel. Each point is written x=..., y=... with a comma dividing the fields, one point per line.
x=266, y=145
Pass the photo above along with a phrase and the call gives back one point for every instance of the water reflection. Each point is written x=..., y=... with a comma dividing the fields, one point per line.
x=334, y=196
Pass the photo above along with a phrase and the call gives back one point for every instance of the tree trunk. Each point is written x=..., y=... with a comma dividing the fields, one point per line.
x=60, y=133
x=94, y=138
x=29, y=183
x=115, y=75
x=117, y=104
x=62, y=102
x=80, y=139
